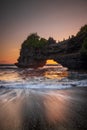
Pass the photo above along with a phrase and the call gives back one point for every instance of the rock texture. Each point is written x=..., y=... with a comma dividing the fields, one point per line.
x=67, y=53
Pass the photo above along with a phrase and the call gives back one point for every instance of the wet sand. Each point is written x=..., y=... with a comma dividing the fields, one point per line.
x=26, y=109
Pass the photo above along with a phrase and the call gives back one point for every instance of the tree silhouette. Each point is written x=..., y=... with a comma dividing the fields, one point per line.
x=51, y=41
x=34, y=41
x=83, y=30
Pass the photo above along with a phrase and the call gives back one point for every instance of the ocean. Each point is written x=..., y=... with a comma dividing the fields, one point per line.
x=48, y=77
x=48, y=98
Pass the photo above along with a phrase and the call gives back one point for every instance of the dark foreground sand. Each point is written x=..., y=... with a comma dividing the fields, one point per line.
x=24, y=109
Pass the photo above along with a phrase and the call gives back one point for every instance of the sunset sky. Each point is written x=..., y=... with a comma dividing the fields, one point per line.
x=55, y=18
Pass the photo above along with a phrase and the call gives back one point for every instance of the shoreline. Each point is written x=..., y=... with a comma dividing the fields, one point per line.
x=29, y=109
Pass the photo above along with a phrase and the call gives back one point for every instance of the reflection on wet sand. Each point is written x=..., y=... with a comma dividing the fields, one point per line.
x=24, y=109
x=56, y=75
x=26, y=74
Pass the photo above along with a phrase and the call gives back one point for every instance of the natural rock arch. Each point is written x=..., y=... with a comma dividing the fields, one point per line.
x=67, y=53
x=69, y=60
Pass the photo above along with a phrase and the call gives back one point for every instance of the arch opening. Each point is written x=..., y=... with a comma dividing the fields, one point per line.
x=51, y=62
x=55, y=70
x=54, y=63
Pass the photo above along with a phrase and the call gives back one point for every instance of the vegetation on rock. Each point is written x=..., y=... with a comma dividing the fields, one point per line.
x=34, y=41
x=84, y=49
x=82, y=31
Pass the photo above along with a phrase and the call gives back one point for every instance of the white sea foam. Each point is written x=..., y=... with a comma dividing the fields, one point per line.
x=42, y=78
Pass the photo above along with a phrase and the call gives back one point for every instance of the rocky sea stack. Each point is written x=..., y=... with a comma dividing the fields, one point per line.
x=70, y=53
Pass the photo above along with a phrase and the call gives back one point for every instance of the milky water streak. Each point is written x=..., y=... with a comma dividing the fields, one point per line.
x=48, y=98
x=49, y=77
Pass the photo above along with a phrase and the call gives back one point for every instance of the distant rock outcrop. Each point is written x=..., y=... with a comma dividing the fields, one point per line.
x=35, y=51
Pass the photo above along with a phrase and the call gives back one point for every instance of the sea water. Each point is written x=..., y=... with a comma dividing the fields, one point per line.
x=47, y=77
x=48, y=98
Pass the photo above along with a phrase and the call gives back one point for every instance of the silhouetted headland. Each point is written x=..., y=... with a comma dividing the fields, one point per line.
x=70, y=53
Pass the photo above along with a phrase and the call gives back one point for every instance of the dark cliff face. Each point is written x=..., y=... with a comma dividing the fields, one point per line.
x=67, y=53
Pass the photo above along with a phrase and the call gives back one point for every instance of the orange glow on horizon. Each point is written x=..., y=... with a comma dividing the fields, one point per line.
x=10, y=57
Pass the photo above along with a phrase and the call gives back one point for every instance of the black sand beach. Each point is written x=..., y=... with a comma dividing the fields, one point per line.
x=27, y=109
